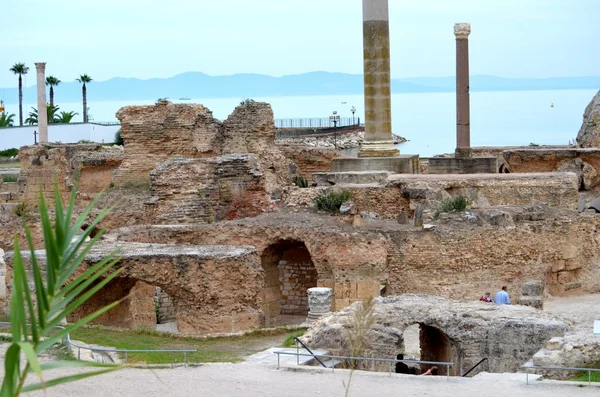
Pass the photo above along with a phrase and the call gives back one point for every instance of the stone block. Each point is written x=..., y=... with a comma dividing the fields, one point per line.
x=569, y=252
x=342, y=303
x=566, y=277
x=463, y=165
x=572, y=264
x=403, y=164
x=349, y=178
x=533, y=301
x=533, y=288
x=558, y=266
x=366, y=290
x=554, y=343
x=245, y=321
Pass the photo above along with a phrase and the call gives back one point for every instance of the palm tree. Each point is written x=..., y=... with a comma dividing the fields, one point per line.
x=52, y=82
x=6, y=120
x=65, y=117
x=51, y=110
x=20, y=69
x=84, y=78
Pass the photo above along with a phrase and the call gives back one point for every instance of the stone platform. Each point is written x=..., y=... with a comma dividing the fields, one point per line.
x=463, y=165
x=403, y=164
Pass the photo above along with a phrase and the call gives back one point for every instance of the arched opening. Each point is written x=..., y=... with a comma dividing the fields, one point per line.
x=427, y=343
x=289, y=272
x=137, y=311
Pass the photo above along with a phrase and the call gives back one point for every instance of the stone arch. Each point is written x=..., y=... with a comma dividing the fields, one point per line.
x=288, y=272
x=136, y=309
x=504, y=168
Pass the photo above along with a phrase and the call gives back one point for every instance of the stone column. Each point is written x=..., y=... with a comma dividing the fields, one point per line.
x=378, y=103
x=41, y=102
x=319, y=303
x=463, y=116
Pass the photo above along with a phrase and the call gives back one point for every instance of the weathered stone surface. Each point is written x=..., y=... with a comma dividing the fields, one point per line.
x=345, y=138
x=575, y=351
x=464, y=332
x=91, y=164
x=533, y=301
x=309, y=160
x=589, y=134
x=463, y=165
x=156, y=133
x=3, y=297
x=207, y=190
x=533, y=288
x=215, y=289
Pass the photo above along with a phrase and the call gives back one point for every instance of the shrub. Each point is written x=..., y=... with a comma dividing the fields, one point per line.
x=9, y=152
x=331, y=201
x=300, y=181
x=21, y=209
x=458, y=203
x=118, y=139
x=246, y=102
x=533, y=144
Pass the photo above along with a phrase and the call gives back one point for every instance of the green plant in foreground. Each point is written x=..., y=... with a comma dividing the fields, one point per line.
x=34, y=318
x=331, y=201
x=300, y=181
x=459, y=203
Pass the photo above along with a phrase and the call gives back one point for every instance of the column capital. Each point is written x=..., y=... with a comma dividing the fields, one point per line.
x=462, y=30
x=40, y=66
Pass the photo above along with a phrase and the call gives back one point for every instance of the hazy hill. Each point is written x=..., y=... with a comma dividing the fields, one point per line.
x=200, y=85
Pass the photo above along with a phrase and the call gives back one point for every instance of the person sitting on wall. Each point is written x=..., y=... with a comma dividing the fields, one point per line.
x=401, y=368
x=502, y=297
x=431, y=371
x=486, y=298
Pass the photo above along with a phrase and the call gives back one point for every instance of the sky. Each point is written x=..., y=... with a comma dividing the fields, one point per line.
x=157, y=38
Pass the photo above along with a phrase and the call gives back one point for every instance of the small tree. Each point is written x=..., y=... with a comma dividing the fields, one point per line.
x=34, y=317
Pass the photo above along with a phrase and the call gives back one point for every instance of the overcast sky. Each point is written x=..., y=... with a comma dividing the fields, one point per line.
x=158, y=38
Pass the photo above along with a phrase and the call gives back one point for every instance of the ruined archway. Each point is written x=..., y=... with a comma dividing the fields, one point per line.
x=288, y=272
x=136, y=309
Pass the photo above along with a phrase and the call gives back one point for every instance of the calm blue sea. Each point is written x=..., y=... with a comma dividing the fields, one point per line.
x=427, y=120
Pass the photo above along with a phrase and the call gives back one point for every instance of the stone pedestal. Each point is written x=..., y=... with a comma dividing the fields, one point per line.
x=319, y=303
x=463, y=165
x=533, y=294
x=405, y=164
x=40, y=68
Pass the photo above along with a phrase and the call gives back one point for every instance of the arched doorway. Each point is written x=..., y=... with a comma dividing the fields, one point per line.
x=289, y=272
x=427, y=343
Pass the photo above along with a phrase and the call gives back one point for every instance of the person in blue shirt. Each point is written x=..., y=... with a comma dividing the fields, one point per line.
x=502, y=297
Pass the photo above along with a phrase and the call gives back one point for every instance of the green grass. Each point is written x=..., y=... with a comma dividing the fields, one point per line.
x=218, y=349
x=459, y=203
x=9, y=178
x=583, y=376
x=10, y=165
x=289, y=339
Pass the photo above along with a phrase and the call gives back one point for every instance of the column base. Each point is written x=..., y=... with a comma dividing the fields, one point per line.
x=378, y=149
x=463, y=152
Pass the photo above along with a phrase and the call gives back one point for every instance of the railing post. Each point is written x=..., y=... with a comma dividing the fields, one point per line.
x=447, y=371
x=78, y=354
x=297, y=353
x=125, y=357
x=278, y=361
x=589, y=378
x=185, y=358
x=390, y=368
x=526, y=375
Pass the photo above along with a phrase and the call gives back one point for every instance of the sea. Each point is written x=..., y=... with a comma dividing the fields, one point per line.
x=427, y=120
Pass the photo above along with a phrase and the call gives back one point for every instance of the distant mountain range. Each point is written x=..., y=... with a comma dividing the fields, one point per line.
x=200, y=85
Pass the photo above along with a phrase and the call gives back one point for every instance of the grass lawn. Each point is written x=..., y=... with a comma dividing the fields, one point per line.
x=220, y=349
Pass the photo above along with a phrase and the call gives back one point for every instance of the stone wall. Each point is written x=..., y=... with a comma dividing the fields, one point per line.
x=90, y=164
x=585, y=163
x=309, y=160
x=165, y=307
x=207, y=190
x=215, y=289
x=154, y=134
x=296, y=275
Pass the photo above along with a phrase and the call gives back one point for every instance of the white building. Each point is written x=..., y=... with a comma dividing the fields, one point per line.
x=15, y=137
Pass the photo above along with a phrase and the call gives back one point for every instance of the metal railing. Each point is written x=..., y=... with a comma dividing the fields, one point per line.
x=474, y=366
x=297, y=340
x=79, y=347
x=588, y=370
x=316, y=122
x=388, y=360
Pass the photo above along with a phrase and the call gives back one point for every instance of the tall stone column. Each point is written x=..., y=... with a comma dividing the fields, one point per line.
x=378, y=102
x=463, y=116
x=40, y=68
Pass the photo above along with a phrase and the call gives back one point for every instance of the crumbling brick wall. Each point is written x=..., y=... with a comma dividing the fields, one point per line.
x=207, y=190
x=91, y=165
x=153, y=134
x=309, y=160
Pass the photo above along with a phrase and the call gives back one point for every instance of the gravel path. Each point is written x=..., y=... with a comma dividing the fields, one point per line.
x=263, y=381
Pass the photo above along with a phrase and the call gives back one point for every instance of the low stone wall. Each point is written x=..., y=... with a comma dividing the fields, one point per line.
x=585, y=163
x=89, y=164
x=215, y=289
x=309, y=160
x=207, y=190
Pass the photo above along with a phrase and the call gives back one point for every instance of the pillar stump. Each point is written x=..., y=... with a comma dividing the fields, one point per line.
x=319, y=303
